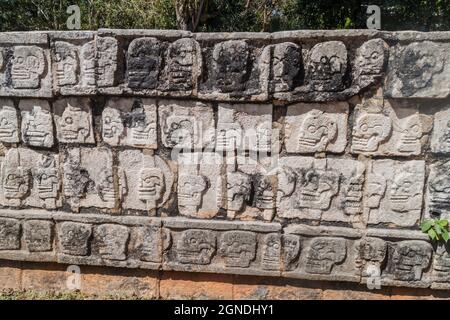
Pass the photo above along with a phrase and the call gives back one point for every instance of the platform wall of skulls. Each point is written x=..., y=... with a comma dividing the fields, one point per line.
x=301, y=154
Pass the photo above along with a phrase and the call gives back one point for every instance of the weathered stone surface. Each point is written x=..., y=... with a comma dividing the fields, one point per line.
x=9, y=234
x=73, y=120
x=74, y=238
x=440, y=138
x=130, y=122
x=236, y=70
x=37, y=123
x=199, y=184
x=311, y=128
x=395, y=192
x=244, y=127
x=419, y=70
x=110, y=241
x=384, y=127
x=9, y=123
x=38, y=235
x=186, y=125
x=74, y=63
x=148, y=180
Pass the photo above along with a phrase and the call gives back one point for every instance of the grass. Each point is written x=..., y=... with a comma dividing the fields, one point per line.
x=33, y=295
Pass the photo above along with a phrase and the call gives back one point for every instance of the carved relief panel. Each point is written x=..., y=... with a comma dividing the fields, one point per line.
x=311, y=128
x=74, y=63
x=148, y=180
x=37, y=123
x=395, y=192
x=199, y=182
x=73, y=120
x=9, y=123
x=244, y=127
x=418, y=70
x=383, y=127
x=236, y=70
x=186, y=125
x=130, y=122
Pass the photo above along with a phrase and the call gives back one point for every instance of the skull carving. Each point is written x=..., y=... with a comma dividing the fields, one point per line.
x=287, y=180
x=238, y=248
x=405, y=193
x=76, y=181
x=112, y=126
x=229, y=136
x=16, y=179
x=180, y=131
x=264, y=193
x=111, y=241
x=144, y=63
x=196, y=247
x=324, y=253
x=47, y=178
x=410, y=258
x=410, y=135
x=151, y=185
x=28, y=67
x=441, y=264
x=105, y=185
x=238, y=190
x=327, y=66
x=318, y=188
x=286, y=65
x=444, y=140
x=74, y=124
x=88, y=65
x=182, y=56
x=37, y=127
x=439, y=189
x=418, y=63
x=370, y=60
x=370, y=252
x=279, y=251
x=375, y=190
x=230, y=65
x=352, y=203
x=67, y=65
x=107, y=50
x=190, y=192
x=9, y=125
x=316, y=131
x=140, y=124
x=369, y=131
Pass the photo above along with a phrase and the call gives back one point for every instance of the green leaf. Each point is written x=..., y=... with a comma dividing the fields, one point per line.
x=445, y=235
x=432, y=234
x=438, y=229
x=426, y=225
x=443, y=223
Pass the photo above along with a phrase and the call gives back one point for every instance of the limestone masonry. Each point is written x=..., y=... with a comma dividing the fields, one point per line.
x=301, y=154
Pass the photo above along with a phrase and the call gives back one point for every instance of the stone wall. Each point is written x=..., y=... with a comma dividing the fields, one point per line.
x=311, y=155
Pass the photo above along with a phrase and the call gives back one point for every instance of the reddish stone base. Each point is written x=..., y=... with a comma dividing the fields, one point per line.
x=110, y=282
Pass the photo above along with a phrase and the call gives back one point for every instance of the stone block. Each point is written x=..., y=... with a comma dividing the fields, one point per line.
x=311, y=128
x=37, y=123
x=38, y=235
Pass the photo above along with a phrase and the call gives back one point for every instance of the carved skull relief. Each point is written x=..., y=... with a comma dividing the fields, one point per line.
x=316, y=131
x=375, y=190
x=67, y=63
x=190, y=192
x=151, y=185
x=37, y=127
x=144, y=63
x=182, y=60
x=318, y=188
x=405, y=193
x=28, y=67
x=411, y=133
x=196, y=246
x=230, y=65
x=327, y=66
x=369, y=131
x=439, y=189
x=238, y=190
x=47, y=178
x=74, y=124
x=238, y=248
x=16, y=179
x=286, y=65
x=9, y=125
x=324, y=253
x=410, y=258
x=112, y=126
